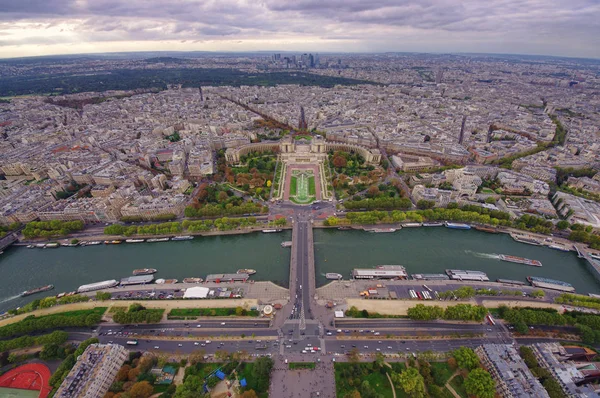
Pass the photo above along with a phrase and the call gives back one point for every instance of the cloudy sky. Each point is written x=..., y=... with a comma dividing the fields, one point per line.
x=552, y=27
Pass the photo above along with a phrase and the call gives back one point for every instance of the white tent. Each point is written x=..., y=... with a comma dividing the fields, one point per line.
x=196, y=292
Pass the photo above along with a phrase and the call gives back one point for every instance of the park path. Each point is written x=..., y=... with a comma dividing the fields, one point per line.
x=449, y=387
x=391, y=384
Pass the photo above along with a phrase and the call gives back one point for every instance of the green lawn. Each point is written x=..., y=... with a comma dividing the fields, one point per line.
x=376, y=379
x=311, y=186
x=443, y=369
x=245, y=371
x=196, y=312
x=293, y=186
x=458, y=384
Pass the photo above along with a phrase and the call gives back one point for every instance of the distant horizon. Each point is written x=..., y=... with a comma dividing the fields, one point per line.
x=269, y=52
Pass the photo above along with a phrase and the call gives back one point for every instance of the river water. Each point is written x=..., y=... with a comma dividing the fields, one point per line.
x=435, y=249
x=67, y=268
x=420, y=250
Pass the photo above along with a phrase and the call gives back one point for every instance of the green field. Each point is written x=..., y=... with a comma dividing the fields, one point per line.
x=302, y=187
x=377, y=380
x=458, y=385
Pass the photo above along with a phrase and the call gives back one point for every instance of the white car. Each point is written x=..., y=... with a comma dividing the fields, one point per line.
x=198, y=326
x=180, y=345
x=222, y=323
x=196, y=343
x=207, y=341
x=156, y=347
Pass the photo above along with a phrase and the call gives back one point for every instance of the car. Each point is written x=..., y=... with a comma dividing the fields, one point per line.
x=406, y=348
x=329, y=333
x=379, y=342
x=207, y=341
x=180, y=345
x=339, y=330
x=288, y=346
x=333, y=359
x=304, y=351
x=354, y=345
x=198, y=326
x=110, y=342
x=361, y=331
x=196, y=343
x=259, y=341
x=222, y=323
x=156, y=347
x=378, y=349
x=343, y=346
x=202, y=345
x=389, y=347
x=366, y=346
x=377, y=333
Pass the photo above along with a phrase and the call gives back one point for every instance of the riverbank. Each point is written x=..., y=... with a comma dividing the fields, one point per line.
x=400, y=307
x=154, y=304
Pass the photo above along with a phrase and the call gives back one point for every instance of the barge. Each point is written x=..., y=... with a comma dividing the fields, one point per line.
x=519, y=260
x=182, y=237
x=430, y=277
x=553, y=284
x=333, y=276
x=152, y=240
x=144, y=271
x=136, y=280
x=192, y=280
x=467, y=275
x=37, y=290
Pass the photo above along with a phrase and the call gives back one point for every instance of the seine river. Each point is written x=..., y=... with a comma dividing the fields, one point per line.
x=420, y=250
x=67, y=268
x=435, y=249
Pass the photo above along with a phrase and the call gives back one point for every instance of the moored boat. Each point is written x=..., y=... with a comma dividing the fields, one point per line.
x=152, y=240
x=93, y=243
x=286, y=243
x=519, y=260
x=526, y=239
x=192, y=280
x=248, y=271
x=270, y=231
x=433, y=224
x=483, y=228
x=37, y=290
x=134, y=240
x=113, y=242
x=333, y=276
x=453, y=225
x=52, y=245
x=165, y=281
x=182, y=237
x=144, y=271
x=560, y=248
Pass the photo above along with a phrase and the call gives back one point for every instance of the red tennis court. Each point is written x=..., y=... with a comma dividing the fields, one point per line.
x=33, y=376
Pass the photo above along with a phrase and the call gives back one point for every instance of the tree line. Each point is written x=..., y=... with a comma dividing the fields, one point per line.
x=137, y=313
x=49, y=229
x=545, y=376
x=57, y=337
x=462, y=312
x=71, y=319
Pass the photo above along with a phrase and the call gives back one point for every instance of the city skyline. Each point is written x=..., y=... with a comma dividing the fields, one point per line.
x=33, y=28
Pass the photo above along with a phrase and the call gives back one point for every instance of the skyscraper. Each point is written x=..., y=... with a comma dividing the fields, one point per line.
x=462, y=130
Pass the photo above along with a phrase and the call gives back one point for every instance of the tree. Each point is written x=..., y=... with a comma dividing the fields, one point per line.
x=466, y=358
x=479, y=383
x=143, y=389
x=339, y=161
x=353, y=394
x=411, y=382
x=354, y=355
x=562, y=224
x=249, y=394
x=425, y=204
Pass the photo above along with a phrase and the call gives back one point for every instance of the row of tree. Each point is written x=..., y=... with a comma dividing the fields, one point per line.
x=72, y=319
x=137, y=313
x=49, y=229
x=578, y=300
x=548, y=381
x=462, y=312
x=57, y=337
x=148, y=229
x=385, y=202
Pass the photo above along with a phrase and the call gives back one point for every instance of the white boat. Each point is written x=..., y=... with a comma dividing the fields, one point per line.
x=559, y=247
x=134, y=240
x=182, y=237
x=270, y=231
x=333, y=276
x=152, y=240
x=93, y=243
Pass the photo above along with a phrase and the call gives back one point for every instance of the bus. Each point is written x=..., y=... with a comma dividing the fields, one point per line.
x=491, y=320
x=260, y=347
x=132, y=342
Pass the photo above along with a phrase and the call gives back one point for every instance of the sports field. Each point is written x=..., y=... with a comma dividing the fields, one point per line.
x=302, y=186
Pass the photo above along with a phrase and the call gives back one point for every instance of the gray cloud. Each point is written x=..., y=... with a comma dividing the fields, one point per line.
x=437, y=25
